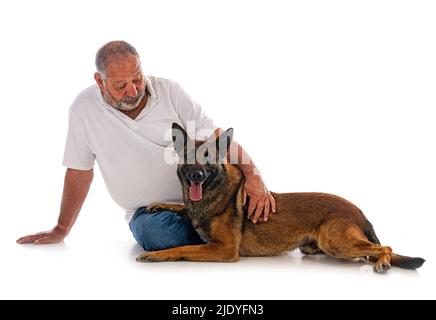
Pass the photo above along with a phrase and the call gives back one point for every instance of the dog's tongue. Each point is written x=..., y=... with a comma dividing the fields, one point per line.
x=195, y=192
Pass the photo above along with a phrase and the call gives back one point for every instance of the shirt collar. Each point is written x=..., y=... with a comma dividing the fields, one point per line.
x=150, y=88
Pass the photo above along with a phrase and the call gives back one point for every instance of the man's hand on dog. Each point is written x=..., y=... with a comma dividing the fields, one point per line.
x=261, y=202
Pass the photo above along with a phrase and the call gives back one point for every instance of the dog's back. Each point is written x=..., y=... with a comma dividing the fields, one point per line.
x=297, y=222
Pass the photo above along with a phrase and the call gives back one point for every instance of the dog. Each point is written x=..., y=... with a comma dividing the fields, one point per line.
x=213, y=201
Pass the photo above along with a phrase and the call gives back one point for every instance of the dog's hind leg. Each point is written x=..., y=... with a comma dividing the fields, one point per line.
x=342, y=239
x=311, y=248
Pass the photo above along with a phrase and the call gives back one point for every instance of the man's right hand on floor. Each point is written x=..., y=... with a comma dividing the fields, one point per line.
x=56, y=235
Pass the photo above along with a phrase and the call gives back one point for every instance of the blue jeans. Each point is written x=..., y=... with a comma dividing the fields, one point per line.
x=162, y=230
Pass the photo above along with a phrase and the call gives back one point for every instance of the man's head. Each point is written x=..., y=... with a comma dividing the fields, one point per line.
x=119, y=75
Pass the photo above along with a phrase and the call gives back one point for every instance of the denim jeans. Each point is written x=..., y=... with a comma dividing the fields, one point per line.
x=162, y=230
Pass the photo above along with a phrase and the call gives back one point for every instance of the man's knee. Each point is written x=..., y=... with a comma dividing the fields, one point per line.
x=146, y=228
x=162, y=230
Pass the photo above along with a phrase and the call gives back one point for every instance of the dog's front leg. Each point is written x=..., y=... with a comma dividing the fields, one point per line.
x=176, y=208
x=217, y=252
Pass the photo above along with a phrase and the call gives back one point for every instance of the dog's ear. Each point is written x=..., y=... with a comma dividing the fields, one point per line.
x=180, y=139
x=223, y=143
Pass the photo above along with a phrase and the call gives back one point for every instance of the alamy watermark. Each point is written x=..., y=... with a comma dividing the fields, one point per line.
x=192, y=146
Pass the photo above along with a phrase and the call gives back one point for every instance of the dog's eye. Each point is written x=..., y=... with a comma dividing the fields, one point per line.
x=184, y=169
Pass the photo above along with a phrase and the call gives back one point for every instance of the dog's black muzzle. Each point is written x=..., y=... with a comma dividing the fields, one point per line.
x=197, y=175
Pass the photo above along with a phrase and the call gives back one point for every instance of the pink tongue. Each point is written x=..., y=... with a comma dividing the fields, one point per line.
x=195, y=192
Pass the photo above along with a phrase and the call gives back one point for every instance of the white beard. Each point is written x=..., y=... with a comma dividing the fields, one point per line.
x=123, y=106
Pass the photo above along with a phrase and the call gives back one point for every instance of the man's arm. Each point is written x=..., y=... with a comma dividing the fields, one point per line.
x=76, y=187
x=261, y=201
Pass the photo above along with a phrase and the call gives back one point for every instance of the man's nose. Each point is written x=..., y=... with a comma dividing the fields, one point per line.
x=131, y=90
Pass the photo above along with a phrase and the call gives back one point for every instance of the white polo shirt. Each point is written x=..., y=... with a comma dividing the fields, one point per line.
x=131, y=153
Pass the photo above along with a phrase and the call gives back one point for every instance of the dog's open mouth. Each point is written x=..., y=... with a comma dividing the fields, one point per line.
x=196, y=191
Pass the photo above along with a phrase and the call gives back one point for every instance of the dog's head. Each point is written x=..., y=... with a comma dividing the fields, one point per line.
x=201, y=163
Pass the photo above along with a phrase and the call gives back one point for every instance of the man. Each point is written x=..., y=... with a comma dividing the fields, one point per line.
x=121, y=123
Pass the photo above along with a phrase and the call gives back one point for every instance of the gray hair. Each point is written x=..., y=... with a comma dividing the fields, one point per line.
x=111, y=51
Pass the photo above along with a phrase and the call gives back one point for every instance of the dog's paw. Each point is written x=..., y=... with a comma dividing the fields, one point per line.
x=381, y=267
x=154, y=208
x=146, y=257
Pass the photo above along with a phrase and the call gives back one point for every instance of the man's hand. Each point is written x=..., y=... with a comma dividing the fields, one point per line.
x=261, y=201
x=57, y=234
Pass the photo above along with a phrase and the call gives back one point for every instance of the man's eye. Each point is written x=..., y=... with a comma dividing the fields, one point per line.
x=121, y=87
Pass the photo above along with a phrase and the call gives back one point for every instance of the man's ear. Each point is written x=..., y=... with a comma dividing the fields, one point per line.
x=180, y=139
x=99, y=79
x=223, y=143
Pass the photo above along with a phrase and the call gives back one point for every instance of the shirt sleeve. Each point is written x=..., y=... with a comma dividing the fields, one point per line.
x=193, y=118
x=77, y=154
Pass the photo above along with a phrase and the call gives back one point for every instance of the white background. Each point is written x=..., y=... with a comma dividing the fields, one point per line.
x=333, y=96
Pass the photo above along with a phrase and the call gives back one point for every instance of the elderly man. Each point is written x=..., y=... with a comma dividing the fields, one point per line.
x=121, y=122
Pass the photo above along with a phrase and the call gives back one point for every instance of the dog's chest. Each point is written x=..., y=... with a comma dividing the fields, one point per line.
x=204, y=236
x=202, y=227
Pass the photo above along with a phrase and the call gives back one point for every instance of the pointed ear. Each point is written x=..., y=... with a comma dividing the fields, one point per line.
x=223, y=143
x=180, y=139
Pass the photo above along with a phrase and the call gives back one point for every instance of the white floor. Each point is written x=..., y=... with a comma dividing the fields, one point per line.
x=102, y=265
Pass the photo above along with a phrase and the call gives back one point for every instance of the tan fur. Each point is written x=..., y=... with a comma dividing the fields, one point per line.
x=313, y=222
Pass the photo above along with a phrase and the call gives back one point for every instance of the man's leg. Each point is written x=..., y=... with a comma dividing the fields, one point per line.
x=162, y=230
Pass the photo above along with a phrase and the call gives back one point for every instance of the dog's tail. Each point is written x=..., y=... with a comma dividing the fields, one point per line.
x=406, y=262
x=397, y=260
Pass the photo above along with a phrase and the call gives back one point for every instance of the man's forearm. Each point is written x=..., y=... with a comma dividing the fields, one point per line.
x=261, y=201
x=241, y=158
x=76, y=187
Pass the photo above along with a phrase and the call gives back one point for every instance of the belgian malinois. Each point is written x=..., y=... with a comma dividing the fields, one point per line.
x=313, y=222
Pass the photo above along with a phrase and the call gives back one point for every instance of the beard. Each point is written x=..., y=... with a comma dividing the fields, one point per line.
x=127, y=103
